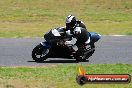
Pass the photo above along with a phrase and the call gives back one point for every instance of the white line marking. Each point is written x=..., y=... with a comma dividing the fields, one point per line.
x=117, y=35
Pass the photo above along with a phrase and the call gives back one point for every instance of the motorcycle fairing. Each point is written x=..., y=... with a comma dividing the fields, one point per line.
x=94, y=37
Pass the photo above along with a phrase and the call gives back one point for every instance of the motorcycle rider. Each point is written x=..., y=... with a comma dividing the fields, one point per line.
x=72, y=23
x=78, y=31
x=74, y=29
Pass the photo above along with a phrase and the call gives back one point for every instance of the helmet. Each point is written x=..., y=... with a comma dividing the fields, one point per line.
x=70, y=22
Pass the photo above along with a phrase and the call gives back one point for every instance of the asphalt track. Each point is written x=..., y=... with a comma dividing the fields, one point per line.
x=110, y=49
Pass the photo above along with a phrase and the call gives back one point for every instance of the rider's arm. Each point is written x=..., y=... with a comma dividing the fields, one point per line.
x=71, y=42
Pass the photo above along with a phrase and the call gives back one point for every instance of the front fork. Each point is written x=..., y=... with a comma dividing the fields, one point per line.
x=45, y=45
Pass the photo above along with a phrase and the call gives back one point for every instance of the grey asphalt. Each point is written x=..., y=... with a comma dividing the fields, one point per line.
x=110, y=49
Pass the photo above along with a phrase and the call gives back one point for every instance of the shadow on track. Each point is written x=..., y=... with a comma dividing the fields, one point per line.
x=60, y=61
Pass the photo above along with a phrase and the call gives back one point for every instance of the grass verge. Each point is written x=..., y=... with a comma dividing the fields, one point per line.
x=32, y=18
x=59, y=76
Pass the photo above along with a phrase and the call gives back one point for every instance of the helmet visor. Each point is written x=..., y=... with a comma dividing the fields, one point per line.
x=70, y=25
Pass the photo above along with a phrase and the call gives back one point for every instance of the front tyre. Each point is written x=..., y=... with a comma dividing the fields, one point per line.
x=39, y=54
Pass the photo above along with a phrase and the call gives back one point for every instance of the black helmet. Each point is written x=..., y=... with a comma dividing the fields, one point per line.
x=70, y=22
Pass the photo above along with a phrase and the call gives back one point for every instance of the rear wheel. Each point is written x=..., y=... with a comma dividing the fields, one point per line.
x=40, y=54
x=91, y=52
x=86, y=54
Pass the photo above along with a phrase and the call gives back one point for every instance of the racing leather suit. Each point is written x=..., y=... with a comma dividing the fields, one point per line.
x=81, y=35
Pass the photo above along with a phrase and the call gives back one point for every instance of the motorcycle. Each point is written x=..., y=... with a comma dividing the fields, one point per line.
x=46, y=50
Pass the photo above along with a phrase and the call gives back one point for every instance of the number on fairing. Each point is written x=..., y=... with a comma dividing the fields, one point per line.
x=55, y=32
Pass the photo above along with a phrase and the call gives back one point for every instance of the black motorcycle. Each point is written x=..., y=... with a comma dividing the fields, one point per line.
x=58, y=49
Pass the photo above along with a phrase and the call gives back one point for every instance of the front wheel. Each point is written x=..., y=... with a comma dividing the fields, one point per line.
x=39, y=53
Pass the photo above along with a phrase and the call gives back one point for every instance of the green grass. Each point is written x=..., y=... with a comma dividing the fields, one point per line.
x=59, y=76
x=32, y=18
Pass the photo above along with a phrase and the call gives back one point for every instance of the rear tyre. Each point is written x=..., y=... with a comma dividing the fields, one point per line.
x=39, y=54
x=90, y=53
x=84, y=57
